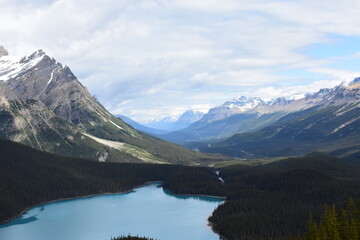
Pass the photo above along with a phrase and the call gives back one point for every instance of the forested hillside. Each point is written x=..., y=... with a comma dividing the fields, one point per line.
x=335, y=223
x=331, y=132
x=273, y=201
x=30, y=177
x=270, y=201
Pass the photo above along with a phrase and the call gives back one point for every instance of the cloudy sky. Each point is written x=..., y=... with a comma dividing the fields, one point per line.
x=148, y=59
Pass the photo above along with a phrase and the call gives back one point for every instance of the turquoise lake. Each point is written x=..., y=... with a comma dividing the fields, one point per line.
x=147, y=211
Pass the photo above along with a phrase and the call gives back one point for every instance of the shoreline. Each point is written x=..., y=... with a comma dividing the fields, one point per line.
x=211, y=225
x=196, y=195
x=77, y=197
x=124, y=192
x=200, y=195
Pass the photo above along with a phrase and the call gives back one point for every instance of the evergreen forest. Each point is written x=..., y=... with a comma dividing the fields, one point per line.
x=131, y=238
x=337, y=224
x=271, y=200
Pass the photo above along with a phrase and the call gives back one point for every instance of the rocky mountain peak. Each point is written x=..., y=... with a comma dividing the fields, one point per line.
x=356, y=80
x=12, y=68
x=36, y=55
x=191, y=115
x=40, y=77
x=279, y=101
x=355, y=84
x=244, y=101
x=3, y=51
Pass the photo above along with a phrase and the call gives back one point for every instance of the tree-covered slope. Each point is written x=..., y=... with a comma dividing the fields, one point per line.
x=262, y=202
x=335, y=130
x=318, y=113
x=29, y=177
x=273, y=201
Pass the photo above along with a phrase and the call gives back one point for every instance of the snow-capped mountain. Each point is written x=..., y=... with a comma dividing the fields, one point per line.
x=43, y=105
x=176, y=123
x=232, y=107
x=12, y=66
x=187, y=118
x=140, y=127
x=248, y=114
x=328, y=121
x=243, y=103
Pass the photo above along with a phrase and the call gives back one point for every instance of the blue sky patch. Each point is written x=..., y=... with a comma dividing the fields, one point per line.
x=336, y=46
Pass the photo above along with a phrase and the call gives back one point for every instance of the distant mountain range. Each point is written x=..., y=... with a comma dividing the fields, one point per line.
x=140, y=127
x=170, y=124
x=234, y=116
x=43, y=105
x=328, y=120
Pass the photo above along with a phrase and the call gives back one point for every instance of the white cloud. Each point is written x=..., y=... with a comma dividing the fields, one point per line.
x=338, y=74
x=200, y=107
x=296, y=92
x=152, y=58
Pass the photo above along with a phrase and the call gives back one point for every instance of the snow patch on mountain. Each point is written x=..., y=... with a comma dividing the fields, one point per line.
x=243, y=103
x=177, y=122
x=115, y=125
x=11, y=66
x=51, y=77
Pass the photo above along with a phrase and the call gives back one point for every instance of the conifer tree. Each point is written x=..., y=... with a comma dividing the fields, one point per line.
x=312, y=232
x=335, y=225
x=343, y=224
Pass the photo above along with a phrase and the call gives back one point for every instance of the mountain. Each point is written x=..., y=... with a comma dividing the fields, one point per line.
x=187, y=118
x=235, y=116
x=328, y=121
x=176, y=123
x=43, y=105
x=140, y=127
x=232, y=107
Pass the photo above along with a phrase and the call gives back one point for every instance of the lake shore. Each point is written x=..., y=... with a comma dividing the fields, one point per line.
x=211, y=225
x=77, y=197
x=196, y=195
x=111, y=193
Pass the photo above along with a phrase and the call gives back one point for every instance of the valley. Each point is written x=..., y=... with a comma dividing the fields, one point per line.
x=259, y=196
x=272, y=162
x=326, y=121
x=43, y=105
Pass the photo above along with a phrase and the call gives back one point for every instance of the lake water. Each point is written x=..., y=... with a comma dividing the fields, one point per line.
x=148, y=211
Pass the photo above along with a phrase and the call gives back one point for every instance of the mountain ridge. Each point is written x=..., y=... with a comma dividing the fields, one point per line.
x=64, y=118
x=176, y=123
x=152, y=131
x=254, y=113
x=327, y=120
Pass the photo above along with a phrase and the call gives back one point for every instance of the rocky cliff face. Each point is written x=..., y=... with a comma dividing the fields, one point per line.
x=57, y=88
x=43, y=104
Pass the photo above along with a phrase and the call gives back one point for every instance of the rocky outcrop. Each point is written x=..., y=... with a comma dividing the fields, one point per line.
x=3, y=51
